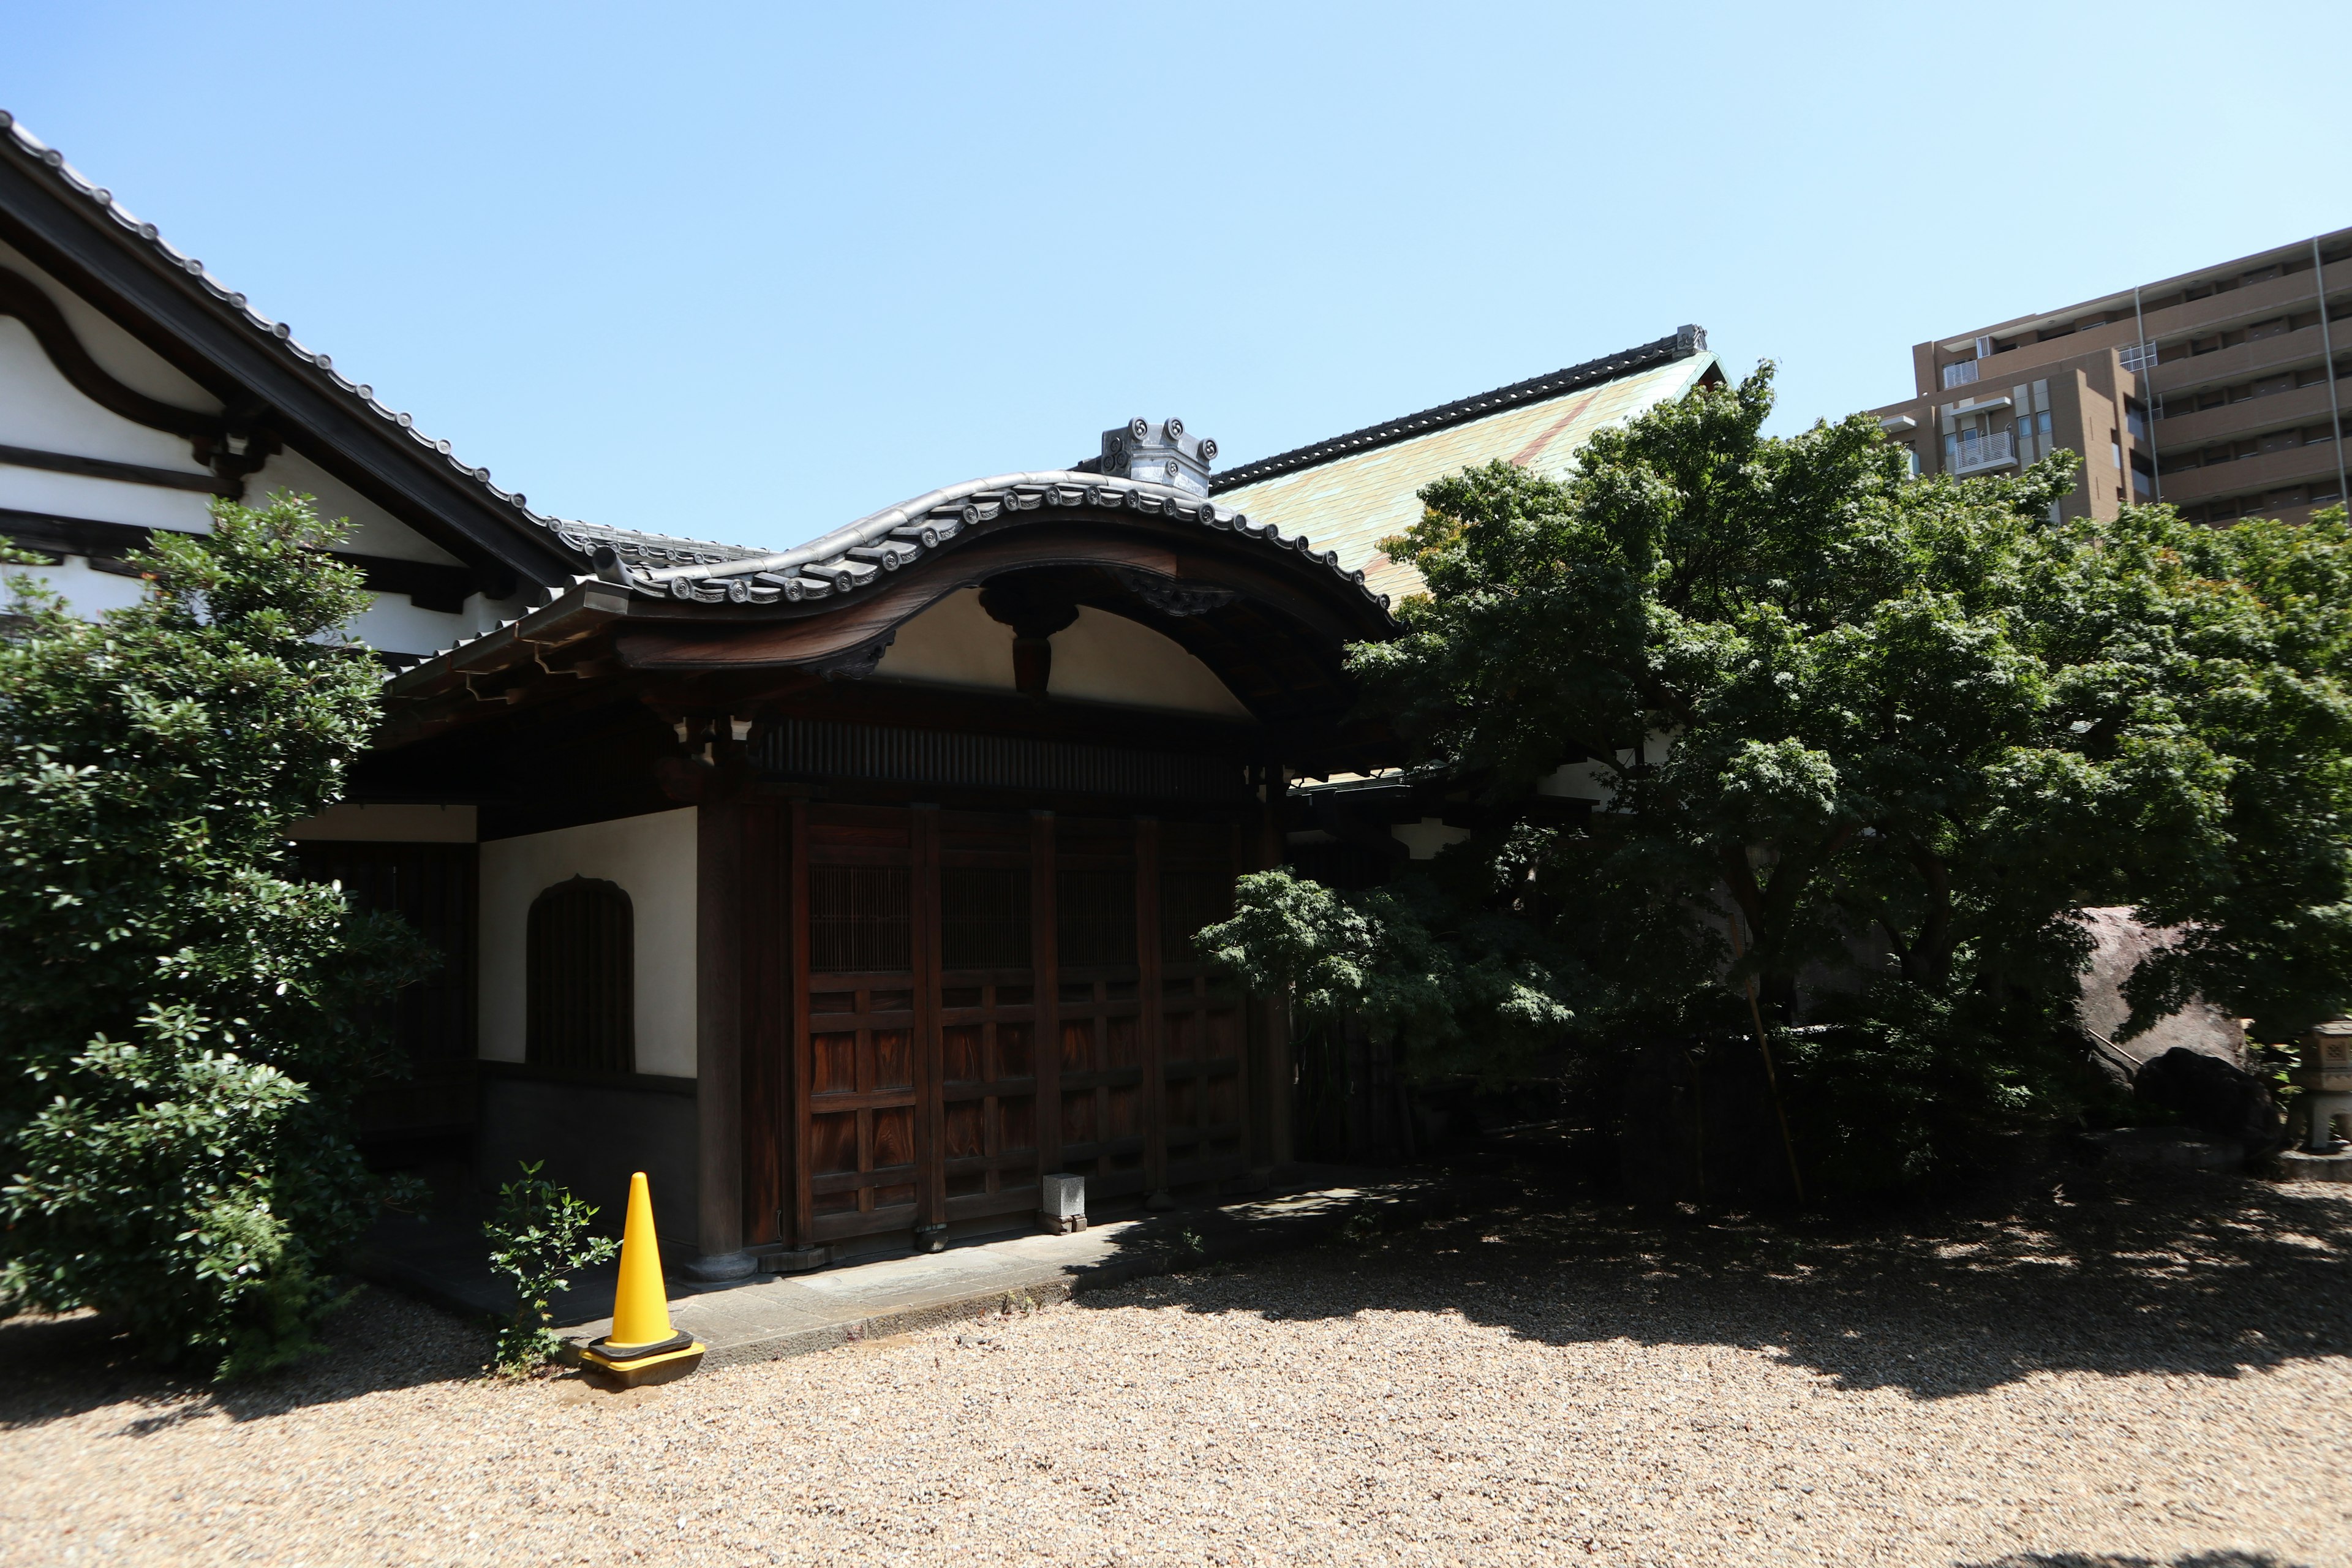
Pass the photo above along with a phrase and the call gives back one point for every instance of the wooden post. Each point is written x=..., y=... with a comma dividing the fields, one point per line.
x=719, y=1088
x=765, y=1014
x=1045, y=986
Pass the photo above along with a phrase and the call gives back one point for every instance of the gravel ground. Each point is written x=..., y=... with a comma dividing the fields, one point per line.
x=2061, y=1378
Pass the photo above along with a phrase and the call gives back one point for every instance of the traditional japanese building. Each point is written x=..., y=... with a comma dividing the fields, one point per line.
x=846, y=889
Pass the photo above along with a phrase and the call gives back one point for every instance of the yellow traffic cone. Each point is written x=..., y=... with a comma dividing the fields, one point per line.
x=641, y=1346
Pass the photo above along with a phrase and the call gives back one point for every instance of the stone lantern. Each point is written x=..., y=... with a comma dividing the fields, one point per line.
x=2326, y=1079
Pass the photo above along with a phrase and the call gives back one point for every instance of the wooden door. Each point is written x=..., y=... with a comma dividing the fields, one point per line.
x=862, y=1055
x=980, y=998
x=988, y=1015
x=1103, y=1119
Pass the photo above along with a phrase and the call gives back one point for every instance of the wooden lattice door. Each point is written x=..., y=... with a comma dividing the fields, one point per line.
x=1102, y=1090
x=862, y=1125
x=988, y=1015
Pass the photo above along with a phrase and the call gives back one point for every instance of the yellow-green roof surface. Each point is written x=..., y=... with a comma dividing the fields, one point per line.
x=1350, y=501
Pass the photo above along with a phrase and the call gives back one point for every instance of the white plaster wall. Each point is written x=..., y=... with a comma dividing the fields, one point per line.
x=396, y=626
x=1590, y=781
x=1423, y=839
x=653, y=860
x=1098, y=658
x=87, y=593
x=1103, y=658
x=388, y=825
x=373, y=531
x=953, y=643
x=124, y=357
x=41, y=410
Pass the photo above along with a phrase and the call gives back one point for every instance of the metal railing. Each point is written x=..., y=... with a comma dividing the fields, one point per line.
x=1988, y=451
x=1960, y=375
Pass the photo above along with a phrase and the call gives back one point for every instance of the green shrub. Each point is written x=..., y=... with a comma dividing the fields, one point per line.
x=182, y=1027
x=541, y=1236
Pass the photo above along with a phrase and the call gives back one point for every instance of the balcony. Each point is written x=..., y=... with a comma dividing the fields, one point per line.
x=2272, y=470
x=2182, y=372
x=1977, y=454
x=2187, y=432
x=1962, y=373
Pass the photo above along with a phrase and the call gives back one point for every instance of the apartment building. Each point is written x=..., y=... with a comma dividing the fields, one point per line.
x=2222, y=392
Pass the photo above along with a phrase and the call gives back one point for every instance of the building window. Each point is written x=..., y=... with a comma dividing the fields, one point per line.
x=859, y=919
x=2136, y=418
x=1190, y=900
x=581, y=978
x=1095, y=918
x=983, y=917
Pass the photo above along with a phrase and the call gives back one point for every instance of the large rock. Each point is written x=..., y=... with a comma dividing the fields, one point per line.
x=2214, y=1097
x=2119, y=942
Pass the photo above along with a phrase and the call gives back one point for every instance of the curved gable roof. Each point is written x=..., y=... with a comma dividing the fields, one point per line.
x=864, y=552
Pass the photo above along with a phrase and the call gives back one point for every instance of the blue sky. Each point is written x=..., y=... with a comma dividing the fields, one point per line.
x=749, y=273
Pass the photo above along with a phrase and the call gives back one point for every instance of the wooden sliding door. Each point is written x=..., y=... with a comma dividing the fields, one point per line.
x=975, y=998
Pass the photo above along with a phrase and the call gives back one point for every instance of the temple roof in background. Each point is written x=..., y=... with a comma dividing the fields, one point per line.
x=1354, y=490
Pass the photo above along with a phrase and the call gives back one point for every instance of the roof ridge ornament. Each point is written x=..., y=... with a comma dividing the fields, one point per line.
x=1151, y=454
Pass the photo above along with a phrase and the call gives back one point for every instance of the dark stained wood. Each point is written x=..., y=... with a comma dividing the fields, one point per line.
x=990, y=1041
x=1036, y=1007
x=1046, y=971
x=1098, y=982
x=718, y=1056
x=796, y=1071
x=1147, y=957
x=767, y=1014
x=924, y=930
x=863, y=1059
x=1204, y=1122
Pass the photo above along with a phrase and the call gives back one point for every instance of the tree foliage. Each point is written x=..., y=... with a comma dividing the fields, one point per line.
x=181, y=1026
x=1906, y=728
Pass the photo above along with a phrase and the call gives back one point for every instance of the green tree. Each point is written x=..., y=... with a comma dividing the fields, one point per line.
x=1894, y=732
x=181, y=1026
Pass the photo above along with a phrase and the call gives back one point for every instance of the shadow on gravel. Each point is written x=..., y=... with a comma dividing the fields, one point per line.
x=2102, y=1559
x=56, y=1367
x=2207, y=1275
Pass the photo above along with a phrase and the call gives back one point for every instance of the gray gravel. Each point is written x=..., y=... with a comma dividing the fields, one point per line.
x=2062, y=1379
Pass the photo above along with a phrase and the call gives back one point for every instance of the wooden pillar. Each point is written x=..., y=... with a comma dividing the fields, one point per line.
x=719, y=1072
x=765, y=1012
x=930, y=1106
x=1045, y=986
x=1152, y=1023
